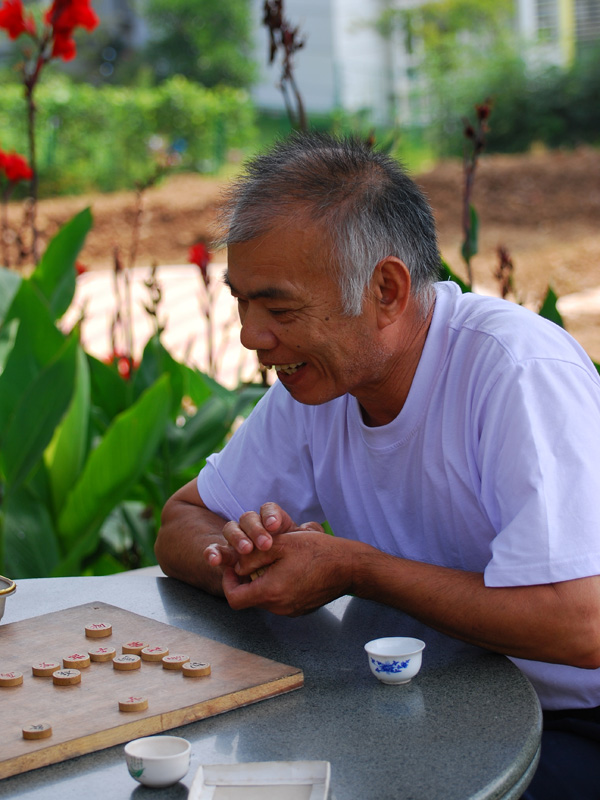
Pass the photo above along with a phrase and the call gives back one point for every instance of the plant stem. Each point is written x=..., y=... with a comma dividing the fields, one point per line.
x=4, y=227
x=469, y=171
x=300, y=112
x=30, y=82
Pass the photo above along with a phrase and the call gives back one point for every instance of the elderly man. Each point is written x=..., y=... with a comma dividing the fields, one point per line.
x=450, y=441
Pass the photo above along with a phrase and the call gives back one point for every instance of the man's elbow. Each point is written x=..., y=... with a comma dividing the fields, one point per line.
x=159, y=550
x=162, y=544
x=585, y=645
x=589, y=657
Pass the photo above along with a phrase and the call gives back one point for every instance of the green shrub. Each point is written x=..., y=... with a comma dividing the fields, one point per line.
x=546, y=104
x=98, y=138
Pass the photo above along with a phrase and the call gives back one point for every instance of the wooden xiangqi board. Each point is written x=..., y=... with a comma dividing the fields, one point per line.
x=86, y=717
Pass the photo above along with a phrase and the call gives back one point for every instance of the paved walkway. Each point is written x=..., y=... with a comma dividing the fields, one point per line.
x=180, y=311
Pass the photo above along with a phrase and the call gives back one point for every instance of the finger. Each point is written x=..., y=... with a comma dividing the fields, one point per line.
x=312, y=526
x=237, y=592
x=251, y=524
x=218, y=555
x=237, y=538
x=275, y=520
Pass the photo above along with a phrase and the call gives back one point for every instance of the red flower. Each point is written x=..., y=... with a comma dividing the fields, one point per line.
x=200, y=255
x=15, y=167
x=80, y=268
x=13, y=20
x=64, y=16
x=63, y=46
x=125, y=365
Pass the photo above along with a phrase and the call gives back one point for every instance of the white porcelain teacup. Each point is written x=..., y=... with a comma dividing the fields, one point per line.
x=395, y=659
x=158, y=760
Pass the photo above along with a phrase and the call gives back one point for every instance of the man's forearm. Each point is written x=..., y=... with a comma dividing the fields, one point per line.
x=556, y=622
x=186, y=530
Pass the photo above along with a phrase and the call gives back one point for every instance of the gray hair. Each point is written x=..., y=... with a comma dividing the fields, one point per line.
x=362, y=198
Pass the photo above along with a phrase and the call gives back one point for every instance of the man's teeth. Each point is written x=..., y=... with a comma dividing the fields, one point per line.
x=288, y=369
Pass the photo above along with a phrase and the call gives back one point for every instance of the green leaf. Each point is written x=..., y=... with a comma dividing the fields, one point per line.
x=156, y=361
x=65, y=455
x=112, y=469
x=130, y=527
x=55, y=274
x=202, y=434
x=549, y=309
x=195, y=385
x=469, y=246
x=447, y=274
x=9, y=286
x=110, y=392
x=30, y=427
x=31, y=550
x=104, y=564
x=8, y=335
x=36, y=345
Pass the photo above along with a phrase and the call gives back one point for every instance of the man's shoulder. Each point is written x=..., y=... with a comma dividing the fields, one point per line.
x=506, y=329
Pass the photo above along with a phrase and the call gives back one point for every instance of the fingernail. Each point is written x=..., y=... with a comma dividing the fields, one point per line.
x=245, y=546
x=263, y=541
x=271, y=520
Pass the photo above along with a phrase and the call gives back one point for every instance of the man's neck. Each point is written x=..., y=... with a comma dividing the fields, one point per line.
x=387, y=398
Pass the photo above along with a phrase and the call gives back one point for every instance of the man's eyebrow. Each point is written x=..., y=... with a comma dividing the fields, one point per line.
x=268, y=293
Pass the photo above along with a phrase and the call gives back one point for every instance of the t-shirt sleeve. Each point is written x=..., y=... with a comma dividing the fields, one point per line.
x=540, y=473
x=267, y=459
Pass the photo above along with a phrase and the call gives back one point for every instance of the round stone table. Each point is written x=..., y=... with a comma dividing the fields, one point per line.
x=468, y=725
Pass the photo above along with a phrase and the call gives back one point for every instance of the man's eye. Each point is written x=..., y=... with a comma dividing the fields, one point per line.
x=279, y=312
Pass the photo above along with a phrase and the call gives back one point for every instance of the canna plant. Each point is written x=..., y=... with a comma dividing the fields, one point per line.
x=88, y=456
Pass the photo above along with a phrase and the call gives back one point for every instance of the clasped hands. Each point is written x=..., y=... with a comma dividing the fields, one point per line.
x=303, y=566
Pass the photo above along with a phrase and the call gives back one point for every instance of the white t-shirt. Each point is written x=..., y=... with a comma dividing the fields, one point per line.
x=492, y=465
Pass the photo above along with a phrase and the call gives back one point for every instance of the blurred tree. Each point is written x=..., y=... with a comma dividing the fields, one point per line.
x=208, y=41
x=443, y=28
x=449, y=43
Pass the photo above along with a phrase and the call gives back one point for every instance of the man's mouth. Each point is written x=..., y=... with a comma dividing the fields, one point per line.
x=287, y=369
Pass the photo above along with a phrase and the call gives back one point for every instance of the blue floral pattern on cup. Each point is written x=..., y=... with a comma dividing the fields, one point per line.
x=393, y=666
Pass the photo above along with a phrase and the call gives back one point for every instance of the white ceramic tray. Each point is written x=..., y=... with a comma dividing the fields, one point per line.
x=266, y=780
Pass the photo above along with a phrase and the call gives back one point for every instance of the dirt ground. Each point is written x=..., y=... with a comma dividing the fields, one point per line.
x=543, y=207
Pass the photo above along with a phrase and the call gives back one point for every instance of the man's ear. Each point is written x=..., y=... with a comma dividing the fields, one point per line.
x=391, y=289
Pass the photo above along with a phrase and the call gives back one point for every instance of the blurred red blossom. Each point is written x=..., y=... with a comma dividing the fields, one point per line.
x=200, y=255
x=14, y=21
x=80, y=268
x=15, y=167
x=64, y=16
x=125, y=365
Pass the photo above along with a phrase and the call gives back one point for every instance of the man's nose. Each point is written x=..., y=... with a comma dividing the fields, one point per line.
x=255, y=333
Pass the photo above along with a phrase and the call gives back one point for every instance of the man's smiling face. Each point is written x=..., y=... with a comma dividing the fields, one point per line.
x=290, y=310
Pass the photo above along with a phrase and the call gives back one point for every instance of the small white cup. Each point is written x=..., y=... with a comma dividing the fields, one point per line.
x=158, y=760
x=395, y=659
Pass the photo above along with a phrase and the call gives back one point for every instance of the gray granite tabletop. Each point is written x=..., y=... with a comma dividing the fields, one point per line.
x=467, y=726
